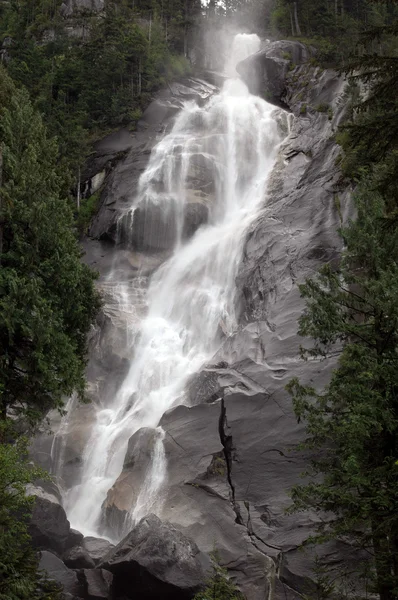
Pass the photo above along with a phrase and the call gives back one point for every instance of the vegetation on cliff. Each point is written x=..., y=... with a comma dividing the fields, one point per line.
x=352, y=424
x=89, y=70
x=47, y=305
x=19, y=576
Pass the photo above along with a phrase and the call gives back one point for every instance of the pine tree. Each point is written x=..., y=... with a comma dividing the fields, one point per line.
x=219, y=586
x=47, y=296
x=352, y=425
x=19, y=575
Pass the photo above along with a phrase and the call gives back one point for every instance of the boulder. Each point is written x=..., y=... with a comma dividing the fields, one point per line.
x=123, y=494
x=266, y=71
x=154, y=561
x=49, y=526
x=78, y=558
x=58, y=572
x=97, y=584
x=97, y=548
x=74, y=539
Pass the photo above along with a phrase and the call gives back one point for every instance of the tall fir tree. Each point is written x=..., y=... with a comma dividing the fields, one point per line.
x=352, y=425
x=47, y=295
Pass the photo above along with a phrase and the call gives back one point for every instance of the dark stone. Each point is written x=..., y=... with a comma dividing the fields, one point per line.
x=49, y=526
x=78, y=558
x=97, y=548
x=154, y=561
x=154, y=227
x=98, y=584
x=74, y=539
x=57, y=571
x=265, y=73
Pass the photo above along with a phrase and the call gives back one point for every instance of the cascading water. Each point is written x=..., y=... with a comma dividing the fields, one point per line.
x=191, y=303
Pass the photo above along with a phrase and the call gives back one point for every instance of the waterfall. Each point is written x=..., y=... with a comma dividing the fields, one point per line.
x=215, y=162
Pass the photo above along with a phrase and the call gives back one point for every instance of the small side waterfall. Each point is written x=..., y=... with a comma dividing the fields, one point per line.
x=206, y=181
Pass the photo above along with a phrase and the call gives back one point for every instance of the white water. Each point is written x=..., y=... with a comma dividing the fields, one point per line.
x=191, y=297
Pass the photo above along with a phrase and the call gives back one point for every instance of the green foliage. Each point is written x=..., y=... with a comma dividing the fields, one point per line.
x=371, y=139
x=103, y=75
x=88, y=209
x=335, y=28
x=324, y=586
x=322, y=108
x=352, y=425
x=19, y=577
x=219, y=586
x=47, y=295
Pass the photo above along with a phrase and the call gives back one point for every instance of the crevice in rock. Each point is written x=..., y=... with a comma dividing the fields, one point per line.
x=227, y=444
x=253, y=534
x=205, y=488
x=175, y=441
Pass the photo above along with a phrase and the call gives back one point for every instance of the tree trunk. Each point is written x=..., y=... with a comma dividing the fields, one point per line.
x=382, y=562
x=291, y=20
x=1, y=204
x=78, y=190
x=186, y=30
x=296, y=21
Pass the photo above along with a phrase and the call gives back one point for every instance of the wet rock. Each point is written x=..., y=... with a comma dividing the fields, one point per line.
x=78, y=558
x=97, y=548
x=123, y=495
x=200, y=498
x=155, y=227
x=58, y=572
x=155, y=560
x=244, y=509
x=121, y=185
x=265, y=73
x=97, y=584
x=49, y=526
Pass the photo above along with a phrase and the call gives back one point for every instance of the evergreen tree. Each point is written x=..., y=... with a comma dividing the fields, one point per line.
x=19, y=576
x=47, y=296
x=219, y=586
x=352, y=425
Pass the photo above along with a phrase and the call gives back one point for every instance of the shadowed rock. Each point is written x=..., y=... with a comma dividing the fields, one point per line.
x=78, y=558
x=265, y=72
x=97, y=548
x=97, y=584
x=49, y=526
x=58, y=572
x=154, y=561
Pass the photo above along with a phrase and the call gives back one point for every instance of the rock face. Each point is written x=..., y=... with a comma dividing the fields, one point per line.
x=231, y=459
x=266, y=72
x=156, y=561
x=230, y=453
x=121, y=185
x=150, y=228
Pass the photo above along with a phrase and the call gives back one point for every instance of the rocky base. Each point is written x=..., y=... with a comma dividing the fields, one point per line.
x=153, y=561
